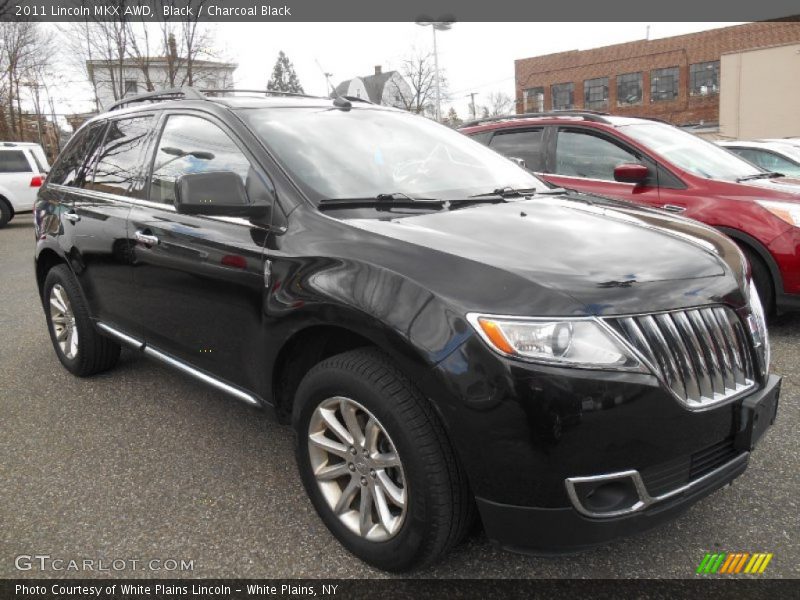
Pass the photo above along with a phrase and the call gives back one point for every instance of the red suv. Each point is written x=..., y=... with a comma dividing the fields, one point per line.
x=664, y=167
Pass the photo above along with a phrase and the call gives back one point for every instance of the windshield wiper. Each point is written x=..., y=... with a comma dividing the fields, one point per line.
x=381, y=202
x=507, y=192
x=767, y=175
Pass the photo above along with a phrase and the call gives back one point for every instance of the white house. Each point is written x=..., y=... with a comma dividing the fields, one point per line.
x=113, y=80
x=388, y=89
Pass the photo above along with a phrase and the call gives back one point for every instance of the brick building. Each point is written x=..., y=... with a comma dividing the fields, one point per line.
x=676, y=79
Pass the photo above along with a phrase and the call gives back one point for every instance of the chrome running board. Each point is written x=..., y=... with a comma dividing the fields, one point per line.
x=180, y=365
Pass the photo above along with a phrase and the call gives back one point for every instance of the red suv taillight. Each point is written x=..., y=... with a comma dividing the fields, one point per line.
x=36, y=181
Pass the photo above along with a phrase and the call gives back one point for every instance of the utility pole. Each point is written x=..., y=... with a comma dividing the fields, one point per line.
x=471, y=96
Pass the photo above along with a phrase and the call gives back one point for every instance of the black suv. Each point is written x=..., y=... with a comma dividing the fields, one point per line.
x=444, y=332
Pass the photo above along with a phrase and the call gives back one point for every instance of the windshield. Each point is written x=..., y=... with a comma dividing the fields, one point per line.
x=691, y=153
x=361, y=153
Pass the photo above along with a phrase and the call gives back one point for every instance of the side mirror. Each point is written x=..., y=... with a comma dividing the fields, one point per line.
x=216, y=193
x=519, y=161
x=631, y=173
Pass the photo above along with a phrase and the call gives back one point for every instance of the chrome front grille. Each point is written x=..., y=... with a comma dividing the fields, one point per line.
x=703, y=355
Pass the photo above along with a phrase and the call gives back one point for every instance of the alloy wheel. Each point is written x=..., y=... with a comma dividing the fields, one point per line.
x=62, y=321
x=357, y=468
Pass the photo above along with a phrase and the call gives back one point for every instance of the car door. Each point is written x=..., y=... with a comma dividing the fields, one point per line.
x=584, y=160
x=98, y=203
x=17, y=171
x=200, y=279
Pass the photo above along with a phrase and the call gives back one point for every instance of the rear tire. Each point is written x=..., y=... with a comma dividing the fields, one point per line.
x=78, y=345
x=437, y=508
x=762, y=279
x=6, y=213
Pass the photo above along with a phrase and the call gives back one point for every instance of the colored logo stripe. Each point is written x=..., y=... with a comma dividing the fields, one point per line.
x=734, y=562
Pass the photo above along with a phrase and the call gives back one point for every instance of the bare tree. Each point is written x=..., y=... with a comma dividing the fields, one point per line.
x=25, y=48
x=499, y=103
x=419, y=71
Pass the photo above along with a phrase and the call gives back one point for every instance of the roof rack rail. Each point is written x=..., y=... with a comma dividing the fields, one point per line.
x=260, y=92
x=185, y=92
x=588, y=115
x=191, y=93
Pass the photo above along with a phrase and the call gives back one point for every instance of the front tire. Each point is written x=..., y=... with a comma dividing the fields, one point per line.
x=78, y=345
x=762, y=280
x=377, y=464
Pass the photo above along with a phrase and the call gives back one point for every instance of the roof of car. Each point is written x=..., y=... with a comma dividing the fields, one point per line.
x=769, y=144
x=516, y=120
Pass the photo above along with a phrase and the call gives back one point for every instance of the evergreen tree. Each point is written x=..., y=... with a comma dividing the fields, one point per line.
x=452, y=118
x=284, y=79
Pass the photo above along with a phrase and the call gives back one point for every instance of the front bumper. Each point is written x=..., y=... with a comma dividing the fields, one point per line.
x=573, y=528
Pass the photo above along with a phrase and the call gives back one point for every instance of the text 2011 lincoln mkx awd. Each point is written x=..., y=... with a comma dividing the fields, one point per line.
x=448, y=336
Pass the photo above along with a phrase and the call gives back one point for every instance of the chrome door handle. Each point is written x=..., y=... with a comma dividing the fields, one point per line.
x=673, y=208
x=149, y=240
x=72, y=217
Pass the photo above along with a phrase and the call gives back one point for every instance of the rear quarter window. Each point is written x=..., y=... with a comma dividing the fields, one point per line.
x=14, y=161
x=71, y=166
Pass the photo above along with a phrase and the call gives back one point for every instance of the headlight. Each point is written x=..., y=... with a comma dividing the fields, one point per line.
x=757, y=323
x=581, y=342
x=785, y=211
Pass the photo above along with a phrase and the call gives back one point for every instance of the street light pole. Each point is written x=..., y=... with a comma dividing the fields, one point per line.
x=436, y=71
x=440, y=26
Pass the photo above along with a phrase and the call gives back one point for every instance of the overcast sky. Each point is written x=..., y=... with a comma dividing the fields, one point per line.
x=476, y=57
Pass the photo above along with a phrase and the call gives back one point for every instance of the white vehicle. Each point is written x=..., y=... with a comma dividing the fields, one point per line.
x=23, y=166
x=779, y=156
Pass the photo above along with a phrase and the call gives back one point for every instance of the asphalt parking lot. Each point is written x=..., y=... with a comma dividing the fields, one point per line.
x=143, y=463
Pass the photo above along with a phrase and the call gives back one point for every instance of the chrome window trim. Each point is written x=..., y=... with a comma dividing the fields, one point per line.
x=645, y=499
x=139, y=202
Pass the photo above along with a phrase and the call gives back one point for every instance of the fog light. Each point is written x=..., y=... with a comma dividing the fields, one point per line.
x=609, y=495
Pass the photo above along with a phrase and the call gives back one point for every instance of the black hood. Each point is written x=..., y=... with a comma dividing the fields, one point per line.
x=606, y=256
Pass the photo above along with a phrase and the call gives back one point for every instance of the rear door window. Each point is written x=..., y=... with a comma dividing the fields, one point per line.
x=39, y=166
x=14, y=161
x=119, y=166
x=72, y=165
x=525, y=144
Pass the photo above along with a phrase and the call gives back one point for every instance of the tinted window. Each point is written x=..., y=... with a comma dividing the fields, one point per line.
x=41, y=168
x=195, y=145
x=13, y=161
x=482, y=137
x=120, y=161
x=70, y=168
x=526, y=145
x=581, y=154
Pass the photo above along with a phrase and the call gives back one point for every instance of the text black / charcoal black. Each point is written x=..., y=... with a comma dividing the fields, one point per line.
x=448, y=336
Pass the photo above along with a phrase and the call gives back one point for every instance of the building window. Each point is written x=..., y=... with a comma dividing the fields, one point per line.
x=704, y=78
x=534, y=100
x=664, y=84
x=629, y=89
x=595, y=93
x=131, y=87
x=563, y=96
